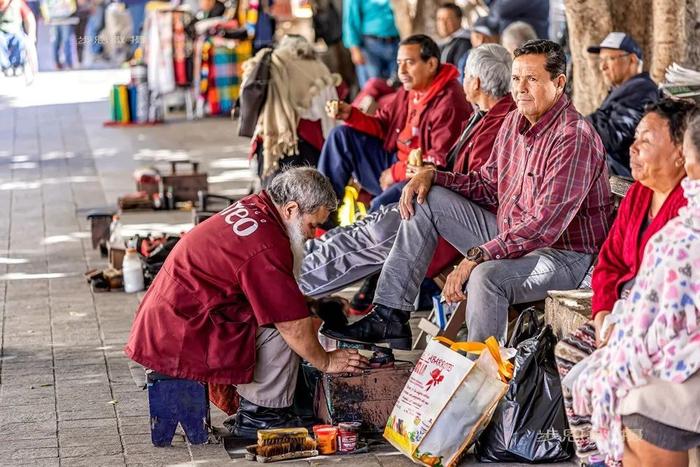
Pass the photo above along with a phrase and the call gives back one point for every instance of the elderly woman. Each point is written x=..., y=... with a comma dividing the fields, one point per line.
x=655, y=198
x=642, y=389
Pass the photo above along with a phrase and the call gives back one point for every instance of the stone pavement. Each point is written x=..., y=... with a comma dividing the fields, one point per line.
x=66, y=394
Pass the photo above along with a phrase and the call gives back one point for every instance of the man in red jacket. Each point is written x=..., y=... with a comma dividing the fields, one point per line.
x=345, y=255
x=427, y=113
x=226, y=308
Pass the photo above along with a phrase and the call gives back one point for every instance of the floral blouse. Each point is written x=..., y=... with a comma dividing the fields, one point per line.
x=656, y=332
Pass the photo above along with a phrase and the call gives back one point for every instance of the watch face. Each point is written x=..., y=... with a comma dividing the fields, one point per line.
x=474, y=253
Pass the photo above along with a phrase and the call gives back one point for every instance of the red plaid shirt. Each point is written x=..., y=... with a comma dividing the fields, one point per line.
x=548, y=184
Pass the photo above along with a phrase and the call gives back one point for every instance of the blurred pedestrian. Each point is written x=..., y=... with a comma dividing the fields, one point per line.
x=370, y=33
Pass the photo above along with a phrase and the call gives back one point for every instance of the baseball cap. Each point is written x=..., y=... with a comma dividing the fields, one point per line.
x=483, y=26
x=617, y=41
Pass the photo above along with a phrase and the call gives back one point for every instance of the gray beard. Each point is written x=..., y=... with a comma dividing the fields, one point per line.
x=296, y=243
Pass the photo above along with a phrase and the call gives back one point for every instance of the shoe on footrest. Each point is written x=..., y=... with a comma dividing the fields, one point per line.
x=382, y=325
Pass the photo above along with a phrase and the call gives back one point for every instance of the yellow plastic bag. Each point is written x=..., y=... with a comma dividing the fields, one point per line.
x=351, y=209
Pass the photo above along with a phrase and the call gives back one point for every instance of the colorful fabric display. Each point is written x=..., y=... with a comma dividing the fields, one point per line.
x=220, y=73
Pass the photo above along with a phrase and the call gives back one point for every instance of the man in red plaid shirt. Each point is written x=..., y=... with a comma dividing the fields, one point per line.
x=546, y=181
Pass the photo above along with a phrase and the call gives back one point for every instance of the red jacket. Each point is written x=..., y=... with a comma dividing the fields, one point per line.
x=472, y=156
x=621, y=254
x=478, y=149
x=439, y=126
x=228, y=276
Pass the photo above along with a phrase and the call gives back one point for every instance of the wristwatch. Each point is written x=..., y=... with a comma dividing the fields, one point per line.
x=476, y=254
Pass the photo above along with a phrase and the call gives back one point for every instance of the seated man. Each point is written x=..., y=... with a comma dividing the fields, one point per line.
x=516, y=34
x=426, y=113
x=483, y=32
x=548, y=182
x=17, y=28
x=347, y=254
x=454, y=39
x=630, y=91
x=226, y=308
x=454, y=47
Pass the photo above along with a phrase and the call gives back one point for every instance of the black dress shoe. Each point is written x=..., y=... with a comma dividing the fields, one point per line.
x=250, y=418
x=381, y=326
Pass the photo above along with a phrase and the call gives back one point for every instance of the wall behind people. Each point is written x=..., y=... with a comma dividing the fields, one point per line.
x=667, y=30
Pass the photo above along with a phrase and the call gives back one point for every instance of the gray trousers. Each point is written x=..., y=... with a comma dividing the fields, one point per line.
x=276, y=370
x=493, y=285
x=346, y=255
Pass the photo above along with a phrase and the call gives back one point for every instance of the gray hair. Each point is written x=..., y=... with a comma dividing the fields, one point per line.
x=306, y=186
x=518, y=33
x=491, y=64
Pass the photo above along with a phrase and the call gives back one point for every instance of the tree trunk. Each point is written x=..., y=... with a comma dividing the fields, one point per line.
x=588, y=22
x=668, y=36
x=667, y=31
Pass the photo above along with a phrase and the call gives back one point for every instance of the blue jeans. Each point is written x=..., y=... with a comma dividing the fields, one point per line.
x=61, y=35
x=95, y=25
x=493, y=285
x=137, y=10
x=389, y=196
x=348, y=152
x=380, y=59
x=12, y=50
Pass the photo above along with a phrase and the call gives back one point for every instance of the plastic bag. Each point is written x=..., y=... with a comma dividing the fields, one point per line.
x=527, y=326
x=529, y=424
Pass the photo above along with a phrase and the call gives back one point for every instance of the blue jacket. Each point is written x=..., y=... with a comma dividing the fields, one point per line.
x=533, y=12
x=618, y=115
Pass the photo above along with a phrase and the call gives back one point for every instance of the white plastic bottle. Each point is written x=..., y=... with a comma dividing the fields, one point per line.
x=132, y=272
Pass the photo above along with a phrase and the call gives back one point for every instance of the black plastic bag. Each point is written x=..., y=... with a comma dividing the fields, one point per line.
x=527, y=326
x=529, y=424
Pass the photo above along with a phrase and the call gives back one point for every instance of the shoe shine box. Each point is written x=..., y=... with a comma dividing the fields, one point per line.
x=368, y=398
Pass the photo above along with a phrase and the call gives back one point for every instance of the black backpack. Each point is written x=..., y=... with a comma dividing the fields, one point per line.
x=253, y=95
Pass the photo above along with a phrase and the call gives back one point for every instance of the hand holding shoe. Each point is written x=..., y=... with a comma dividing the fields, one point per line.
x=345, y=361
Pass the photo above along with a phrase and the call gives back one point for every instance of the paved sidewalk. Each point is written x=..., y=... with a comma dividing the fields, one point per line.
x=66, y=394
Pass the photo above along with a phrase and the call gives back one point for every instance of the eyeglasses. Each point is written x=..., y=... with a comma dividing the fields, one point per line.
x=607, y=60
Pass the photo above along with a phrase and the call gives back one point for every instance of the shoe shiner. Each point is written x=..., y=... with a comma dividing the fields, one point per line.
x=226, y=307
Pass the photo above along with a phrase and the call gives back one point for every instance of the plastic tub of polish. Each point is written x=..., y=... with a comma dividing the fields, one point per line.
x=326, y=439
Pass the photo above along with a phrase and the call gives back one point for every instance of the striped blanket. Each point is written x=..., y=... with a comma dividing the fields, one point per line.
x=220, y=74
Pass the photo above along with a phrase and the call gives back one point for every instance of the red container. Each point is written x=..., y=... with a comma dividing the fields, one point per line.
x=347, y=436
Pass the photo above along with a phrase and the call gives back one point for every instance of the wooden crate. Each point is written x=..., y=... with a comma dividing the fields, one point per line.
x=567, y=310
x=185, y=187
x=368, y=398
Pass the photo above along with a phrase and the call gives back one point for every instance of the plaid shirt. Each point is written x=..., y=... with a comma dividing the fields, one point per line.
x=548, y=184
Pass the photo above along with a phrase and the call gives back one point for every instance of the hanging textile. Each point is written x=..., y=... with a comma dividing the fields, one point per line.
x=220, y=72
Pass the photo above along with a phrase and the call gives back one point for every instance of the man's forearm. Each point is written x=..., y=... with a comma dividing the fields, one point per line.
x=301, y=338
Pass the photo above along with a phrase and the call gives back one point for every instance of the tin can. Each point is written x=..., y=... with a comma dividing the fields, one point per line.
x=347, y=436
